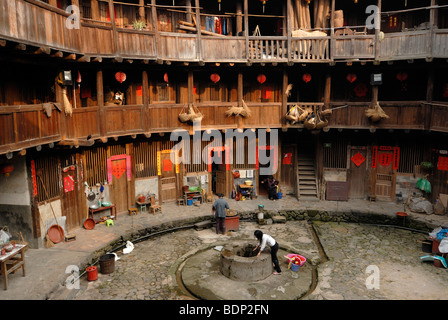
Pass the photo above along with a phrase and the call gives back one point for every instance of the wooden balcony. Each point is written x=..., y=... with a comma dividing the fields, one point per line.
x=35, y=23
x=24, y=127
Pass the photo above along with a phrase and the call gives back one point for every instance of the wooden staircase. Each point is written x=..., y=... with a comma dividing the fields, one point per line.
x=306, y=177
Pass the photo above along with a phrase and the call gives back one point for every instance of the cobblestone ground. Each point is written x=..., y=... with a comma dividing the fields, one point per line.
x=351, y=248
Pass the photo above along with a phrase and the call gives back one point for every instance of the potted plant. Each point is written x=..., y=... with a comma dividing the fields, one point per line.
x=139, y=24
x=426, y=165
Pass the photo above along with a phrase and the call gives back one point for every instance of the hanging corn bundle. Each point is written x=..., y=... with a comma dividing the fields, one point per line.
x=193, y=114
x=307, y=111
x=293, y=114
x=310, y=122
x=376, y=114
x=321, y=121
x=243, y=111
x=288, y=90
x=66, y=103
x=325, y=113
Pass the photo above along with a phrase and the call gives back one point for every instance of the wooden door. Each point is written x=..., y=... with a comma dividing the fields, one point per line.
x=119, y=186
x=288, y=175
x=384, y=177
x=168, y=179
x=221, y=180
x=70, y=203
x=358, y=173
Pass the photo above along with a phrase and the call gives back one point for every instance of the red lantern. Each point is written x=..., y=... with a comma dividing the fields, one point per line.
x=215, y=77
x=361, y=90
x=6, y=169
x=165, y=77
x=402, y=76
x=261, y=78
x=351, y=77
x=306, y=77
x=120, y=76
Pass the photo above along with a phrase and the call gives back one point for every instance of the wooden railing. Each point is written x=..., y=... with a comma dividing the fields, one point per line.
x=28, y=126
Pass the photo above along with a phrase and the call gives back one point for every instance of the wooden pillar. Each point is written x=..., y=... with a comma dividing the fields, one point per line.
x=332, y=40
x=240, y=98
x=190, y=87
x=100, y=98
x=429, y=96
x=155, y=27
x=284, y=108
x=188, y=4
x=95, y=10
x=246, y=27
x=288, y=29
x=141, y=10
x=327, y=92
x=239, y=19
x=145, y=94
x=114, y=27
x=377, y=33
x=198, y=27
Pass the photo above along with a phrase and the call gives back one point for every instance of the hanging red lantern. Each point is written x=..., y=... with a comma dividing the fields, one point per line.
x=215, y=77
x=402, y=76
x=351, y=77
x=361, y=90
x=120, y=76
x=165, y=77
x=306, y=77
x=261, y=78
x=6, y=169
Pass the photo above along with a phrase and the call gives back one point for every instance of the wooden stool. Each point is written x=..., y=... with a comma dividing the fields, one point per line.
x=154, y=208
x=180, y=201
x=132, y=211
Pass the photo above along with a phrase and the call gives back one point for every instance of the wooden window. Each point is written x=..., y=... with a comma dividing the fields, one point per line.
x=145, y=156
x=335, y=154
x=95, y=166
x=163, y=92
x=85, y=9
x=411, y=155
x=214, y=93
x=47, y=177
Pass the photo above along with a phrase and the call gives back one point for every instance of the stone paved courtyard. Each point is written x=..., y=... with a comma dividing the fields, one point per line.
x=147, y=273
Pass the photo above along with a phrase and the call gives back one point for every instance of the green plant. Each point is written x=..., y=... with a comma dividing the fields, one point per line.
x=426, y=164
x=138, y=24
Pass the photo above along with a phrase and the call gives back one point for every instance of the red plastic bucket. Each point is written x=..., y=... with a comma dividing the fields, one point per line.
x=92, y=273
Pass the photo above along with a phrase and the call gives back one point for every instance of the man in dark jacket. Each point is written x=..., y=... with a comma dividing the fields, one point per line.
x=219, y=209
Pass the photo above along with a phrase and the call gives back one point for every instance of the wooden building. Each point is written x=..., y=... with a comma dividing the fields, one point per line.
x=93, y=89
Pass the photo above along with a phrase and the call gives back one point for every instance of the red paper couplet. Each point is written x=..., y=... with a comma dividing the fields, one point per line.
x=69, y=184
x=165, y=77
x=358, y=159
x=361, y=90
x=287, y=158
x=118, y=168
x=385, y=159
x=167, y=165
x=442, y=164
x=374, y=156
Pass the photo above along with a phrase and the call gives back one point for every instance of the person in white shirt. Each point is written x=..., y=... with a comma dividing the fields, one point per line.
x=267, y=239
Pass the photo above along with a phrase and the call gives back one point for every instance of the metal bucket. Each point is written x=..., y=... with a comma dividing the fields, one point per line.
x=107, y=263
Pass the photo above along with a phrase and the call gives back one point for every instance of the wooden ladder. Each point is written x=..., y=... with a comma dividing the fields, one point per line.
x=307, y=181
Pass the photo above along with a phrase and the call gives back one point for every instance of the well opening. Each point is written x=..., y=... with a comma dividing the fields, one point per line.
x=240, y=262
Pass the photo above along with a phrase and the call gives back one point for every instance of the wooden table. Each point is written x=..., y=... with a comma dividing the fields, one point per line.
x=112, y=208
x=10, y=262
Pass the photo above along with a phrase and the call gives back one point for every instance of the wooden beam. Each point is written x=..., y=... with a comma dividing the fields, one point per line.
x=71, y=56
x=43, y=50
x=84, y=59
x=76, y=142
x=20, y=46
x=97, y=59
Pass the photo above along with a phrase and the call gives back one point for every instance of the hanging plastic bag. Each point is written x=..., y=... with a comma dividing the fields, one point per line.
x=424, y=185
x=4, y=237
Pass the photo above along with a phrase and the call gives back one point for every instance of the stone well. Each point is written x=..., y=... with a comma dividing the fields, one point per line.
x=239, y=262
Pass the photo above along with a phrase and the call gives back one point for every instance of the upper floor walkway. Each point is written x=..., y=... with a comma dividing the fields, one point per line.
x=197, y=34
